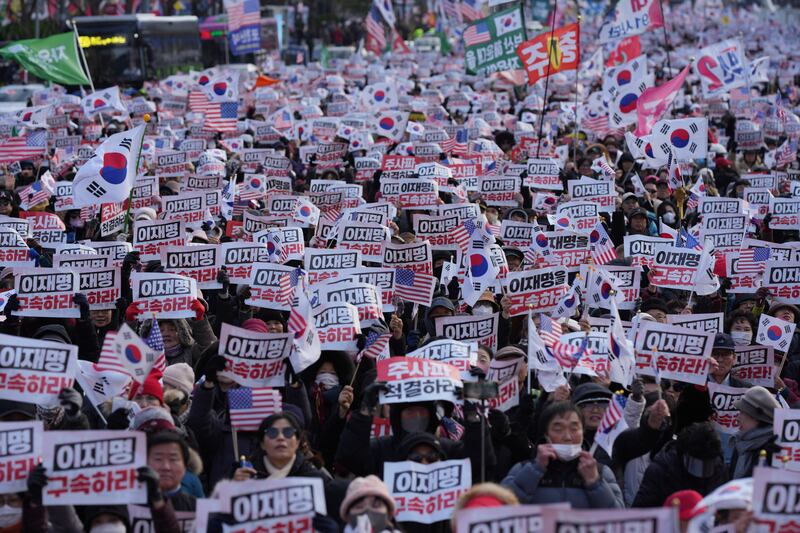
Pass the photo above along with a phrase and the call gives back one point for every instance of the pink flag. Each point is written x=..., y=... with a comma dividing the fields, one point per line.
x=655, y=101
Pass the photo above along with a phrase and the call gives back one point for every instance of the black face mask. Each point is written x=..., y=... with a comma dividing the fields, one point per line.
x=331, y=395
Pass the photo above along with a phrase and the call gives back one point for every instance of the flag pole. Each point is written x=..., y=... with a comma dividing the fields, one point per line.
x=666, y=37
x=85, y=65
x=146, y=119
x=577, y=119
x=547, y=78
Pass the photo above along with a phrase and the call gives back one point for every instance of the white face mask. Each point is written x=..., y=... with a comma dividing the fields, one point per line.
x=482, y=310
x=113, y=527
x=567, y=452
x=327, y=380
x=668, y=218
x=742, y=338
x=10, y=515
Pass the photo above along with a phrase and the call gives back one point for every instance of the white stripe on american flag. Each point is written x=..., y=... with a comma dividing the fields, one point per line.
x=27, y=146
x=248, y=416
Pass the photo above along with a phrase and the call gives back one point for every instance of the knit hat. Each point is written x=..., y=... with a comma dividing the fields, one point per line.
x=151, y=387
x=685, y=501
x=53, y=333
x=366, y=486
x=510, y=352
x=153, y=419
x=255, y=324
x=180, y=376
x=774, y=308
x=590, y=392
x=441, y=301
x=758, y=403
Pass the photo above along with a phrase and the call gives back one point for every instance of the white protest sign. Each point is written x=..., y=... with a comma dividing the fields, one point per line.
x=46, y=292
x=722, y=398
x=201, y=262
x=786, y=427
x=427, y=493
x=467, y=328
x=657, y=519
x=698, y=321
x=142, y=520
x=254, y=359
x=413, y=380
x=776, y=495
x=20, y=451
x=14, y=252
x=507, y=518
x=337, y=326
x=165, y=295
x=458, y=354
x=673, y=352
x=94, y=467
x=36, y=369
x=149, y=236
x=755, y=365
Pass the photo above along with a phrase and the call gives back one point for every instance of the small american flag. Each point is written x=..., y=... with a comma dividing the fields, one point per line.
x=108, y=356
x=613, y=413
x=37, y=192
x=249, y=407
x=477, y=34
x=301, y=310
x=28, y=146
x=463, y=233
x=243, y=13
x=451, y=429
x=549, y=330
x=219, y=116
x=602, y=248
x=567, y=355
x=686, y=240
x=374, y=346
x=155, y=341
x=288, y=282
x=471, y=10
x=414, y=286
x=752, y=260
x=375, y=31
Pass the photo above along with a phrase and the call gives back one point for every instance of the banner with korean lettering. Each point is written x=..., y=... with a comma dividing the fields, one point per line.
x=499, y=191
x=700, y=321
x=101, y=286
x=569, y=249
x=427, y=494
x=149, y=236
x=417, y=380
x=201, y=262
x=164, y=295
x=507, y=518
x=254, y=359
x=535, y=290
x=785, y=213
x=580, y=215
x=35, y=369
x=382, y=277
x=628, y=280
x=365, y=297
x=600, y=192
x=655, y=519
x=641, y=248
x=239, y=258
x=722, y=398
x=549, y=53
x=458, y=354
x=142, y=520
x=414, y=256
x=481, y=329
x=782, y=279
x=14, y=252
x=491, y=43
x=270, y=286
x=292, y=241
x=786, y=428
x=673, y=352
x=94, y=467
x=724, y=232
x=755, y=365
x=721, y=67
x=338, y=326
x=325, y=264
x=368, y=238
x=20, y=451
x=544, y=174
x=46, y=292
x=675, y=268
x=295, y=500
x=189, y=207
x=775, y=497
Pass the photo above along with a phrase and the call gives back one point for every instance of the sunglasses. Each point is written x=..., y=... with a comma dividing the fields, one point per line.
x=426, y=457
x=288, y=433
x=677, y=386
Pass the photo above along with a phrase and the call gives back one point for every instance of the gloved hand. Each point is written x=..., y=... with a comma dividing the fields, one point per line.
x=132, y=261
x=118, y=419
x=121, y=304
x=214, y=365
x=199, y=309
x=149, y=477
x=11, y=305
x=412, y=340
x=80, y=300
x=370, y=399
x=224, y=279
x=71, y=400
x=637, y=390
x=132, y=312
x=37, y=481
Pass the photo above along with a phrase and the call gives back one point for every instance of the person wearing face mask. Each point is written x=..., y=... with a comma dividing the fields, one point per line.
x=108, y=519
x=368, y=506
x=741, y=327
x=561, y=470
x=667, y=213
x=10, y=513
x=756, y=412
x=693, y=461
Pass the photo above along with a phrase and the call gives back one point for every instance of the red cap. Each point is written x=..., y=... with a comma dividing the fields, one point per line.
x=484, y=500
x=255, y=324
x=686, y=502
x=152, y=387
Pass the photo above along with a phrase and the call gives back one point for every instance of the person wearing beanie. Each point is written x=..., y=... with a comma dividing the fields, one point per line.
x=368, y=503
x=686, y=503
x=756, y=412
x=149, y=394
x=179, y=376
x=440, y=307
x=184, y=339
x=482, y=496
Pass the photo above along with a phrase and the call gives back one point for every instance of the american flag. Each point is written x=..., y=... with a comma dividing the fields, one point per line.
x=37, y=192
x=602, y=248
x=219, y=116
x=752, y=260
x=451, y=429
x=477, y=33
x=28, y=146
x=374, y=345
x=249, y=407
x=301, y=310
x=471, y=10
x=288, y=282
x=606, y=435
x=375, y=31
x=414, y=286
x=549, y=330
x=462, y=234
x=686, y=240
x=459, y=143
x=155, y=341
x=243, y=13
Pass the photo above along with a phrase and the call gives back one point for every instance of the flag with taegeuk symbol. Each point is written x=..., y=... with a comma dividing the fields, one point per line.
x=249, y=407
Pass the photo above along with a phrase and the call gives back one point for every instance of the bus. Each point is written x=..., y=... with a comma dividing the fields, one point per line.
x=130, y=49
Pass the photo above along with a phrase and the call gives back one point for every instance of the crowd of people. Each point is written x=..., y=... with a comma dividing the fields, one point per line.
x=365, y=125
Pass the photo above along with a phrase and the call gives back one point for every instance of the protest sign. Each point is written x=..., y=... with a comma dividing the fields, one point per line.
x=700, y=321
x=81, y=260
x=656, y=519
x=254, y=359
x=46, y=228
x=20, y=452
x=292, y=241
x=142, y=520
x=14, y=252
x=37, y=369
x=239, y=258
x=569, y=249
x=201, y=262
x=785, y=213
x=325, y=264
x=270, y=286
x=499, y=191
x=417, y=380
x=755, y=365
x=427, y=493
x=46, y=292
x=673, y=352
x=337, y=325
x=411, y=193
x=366, y=299
x=164, y=295
x=722, y=398
x=171, y=164
x=368, y=238
x=543, y=174
x=458, y=354
x=437, y=229
x=719, y=205
x=508, y=395
x=189, y=207
x=535, y=290
x=113, y=249
x=517, y=234
x=415, y=256
x=258, y=505
x=627, y=278
x=101, y=286
x=600, y=192
x=674, y=267
x=580, y=215
x=786, y=427
x=149, y=236
x=23, y=226
x=782, y=279
x=725, y=232
x=775, y=495
x=94, y=467
x=481, y=329
x=521, y=518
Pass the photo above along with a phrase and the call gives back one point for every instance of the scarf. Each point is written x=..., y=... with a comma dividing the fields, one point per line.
x=173, y=351
x=747, y=443
x=278, y=473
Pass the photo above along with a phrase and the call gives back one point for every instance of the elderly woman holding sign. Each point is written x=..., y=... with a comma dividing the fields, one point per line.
x=561, y=470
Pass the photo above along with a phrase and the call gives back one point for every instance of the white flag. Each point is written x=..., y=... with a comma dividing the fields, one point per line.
x=775, y=332
x=134, y=353
x=103, y=101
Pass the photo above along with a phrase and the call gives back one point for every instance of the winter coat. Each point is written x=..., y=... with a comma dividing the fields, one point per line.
x=666, y=475
x=747, y=448
x=194, y=335
x=561, y=482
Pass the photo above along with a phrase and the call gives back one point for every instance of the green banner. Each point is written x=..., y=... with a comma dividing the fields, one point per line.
x=54, y=58
x=491, y=43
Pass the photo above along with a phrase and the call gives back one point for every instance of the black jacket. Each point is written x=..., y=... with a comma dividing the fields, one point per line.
x=666, y=475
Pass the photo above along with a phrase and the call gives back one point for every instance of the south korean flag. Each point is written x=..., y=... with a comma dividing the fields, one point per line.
x=775, y=332
x=379, y=95
x=390, y=124
x=685, y=138
x=622, y=87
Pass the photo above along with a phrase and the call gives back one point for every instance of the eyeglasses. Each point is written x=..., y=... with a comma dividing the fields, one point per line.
x=288, y=433
x=677, y=386
x=424, y=457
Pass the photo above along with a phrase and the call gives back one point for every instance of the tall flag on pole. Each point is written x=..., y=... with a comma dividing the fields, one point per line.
x=550, y=53
x=631, y=17
x=244, y=26
x=654, y=102
x=620, y=350
x=27, y=146
x=376, y=34
x=53, y=58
